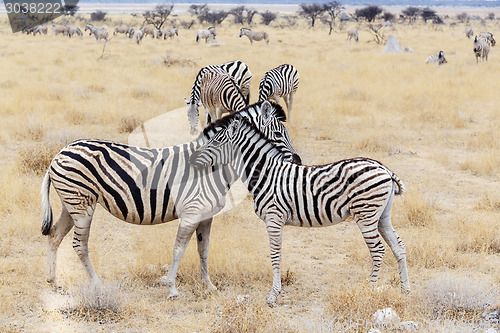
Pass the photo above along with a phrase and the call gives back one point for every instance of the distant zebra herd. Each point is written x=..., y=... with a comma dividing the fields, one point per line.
x=190, y=181
x=481, y=47
x=101, y=32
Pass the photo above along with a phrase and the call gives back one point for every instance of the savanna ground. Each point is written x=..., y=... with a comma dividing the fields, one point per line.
x=436, y=127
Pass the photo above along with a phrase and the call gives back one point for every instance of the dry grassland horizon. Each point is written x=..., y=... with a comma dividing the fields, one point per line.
x=436, y=127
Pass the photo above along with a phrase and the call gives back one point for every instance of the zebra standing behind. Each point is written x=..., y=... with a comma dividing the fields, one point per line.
x=489, y=37
x=438, y=59
x=206, y=34
x=481, y=48
x=145, y=186
x=257, y=36
x=170, y=33
x=309, y=196
x=219, y=94
x=352, y=34
x=238, y=71
x=281, y=81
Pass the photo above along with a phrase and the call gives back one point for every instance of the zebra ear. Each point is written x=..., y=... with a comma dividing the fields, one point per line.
x=186, y=101
x=267, y=111
x=232, y=129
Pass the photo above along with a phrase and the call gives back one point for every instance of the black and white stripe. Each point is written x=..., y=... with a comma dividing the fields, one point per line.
x=144, y=186
x=310, y=196
x=238, y=71
x=219, y=94
x=281, y=81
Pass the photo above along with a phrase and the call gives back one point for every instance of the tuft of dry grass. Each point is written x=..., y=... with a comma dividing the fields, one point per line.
x=129, y=123
x=417, y=209
x=101, y=304
x=36, y=158
x=458, y=297
x=479, y=234
x=242, y=314
x=485, y=164
x=488, y=202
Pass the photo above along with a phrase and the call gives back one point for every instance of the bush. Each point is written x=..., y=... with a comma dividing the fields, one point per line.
x=98, y=16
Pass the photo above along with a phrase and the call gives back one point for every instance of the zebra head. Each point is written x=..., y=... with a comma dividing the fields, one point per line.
x=131, y=32
x=193, y=115
x=441, y=58
x=221, y=148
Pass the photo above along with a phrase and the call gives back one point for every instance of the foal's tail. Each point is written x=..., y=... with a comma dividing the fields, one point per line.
x=399, y=183
x=46, y=207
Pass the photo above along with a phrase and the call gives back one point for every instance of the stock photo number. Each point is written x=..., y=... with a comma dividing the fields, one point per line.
x=33, y=7
x=30, y=13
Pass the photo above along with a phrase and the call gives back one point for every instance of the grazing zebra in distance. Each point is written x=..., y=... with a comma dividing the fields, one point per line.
x=481, y=48
x=438, y=59
x=41, y=29
x=352, y=34
x=219, y=94
x=139, y=34
x=146, y=186
x=74, y=30
x=489, y=37
x=121, y=30
x=309, y=196
x=238, y=71
x=148, y=31
x=170, y=33
x=205, y=34
x=469, y=32
x=98, y=32
x=257, y=36
x=63, y=30
x=281, y=81
x=131, y=33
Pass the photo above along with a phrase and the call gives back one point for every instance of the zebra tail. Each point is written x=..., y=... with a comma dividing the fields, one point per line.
x=46, y=207
x=197, y=38
x=399, y=182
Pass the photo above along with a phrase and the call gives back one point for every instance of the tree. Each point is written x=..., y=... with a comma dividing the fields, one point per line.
x=214, y=17
x=369, y=13
x=242, y=14
x=70, y=9
x=332, y=9
x=197, y=10
x=268, y=17
x=463, y=17
x=312, y=11
x=97, y=16
x=428, y=14
x=491, y=16
x=388, y=16
x=158, y=16
x=411, y=13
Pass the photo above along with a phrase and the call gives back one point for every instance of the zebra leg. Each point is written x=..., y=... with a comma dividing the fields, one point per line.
x=368, y=224
x=82, y=221
x=289, y=106
x=275, y=231
x=203, y=238
x=60, y=229
x=184, y=233
x=395, y=243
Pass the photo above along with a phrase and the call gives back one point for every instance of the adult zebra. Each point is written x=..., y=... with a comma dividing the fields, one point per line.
x=281, y=81
x=238, y=71
x=254, y=35
x=219, y=94
x=309, y=196
x=481, y=48
x=145, y=186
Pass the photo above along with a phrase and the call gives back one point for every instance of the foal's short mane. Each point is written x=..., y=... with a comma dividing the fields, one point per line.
x=222, y=123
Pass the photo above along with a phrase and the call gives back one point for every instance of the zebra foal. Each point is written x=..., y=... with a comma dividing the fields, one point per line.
x=145, y=186
x=309, y=196
x=281, y=81
x=238, y=71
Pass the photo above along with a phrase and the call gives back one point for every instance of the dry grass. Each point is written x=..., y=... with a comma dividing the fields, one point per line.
x=435, y=127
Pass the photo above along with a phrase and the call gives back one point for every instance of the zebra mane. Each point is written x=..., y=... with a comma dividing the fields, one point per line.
x=222, y=123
